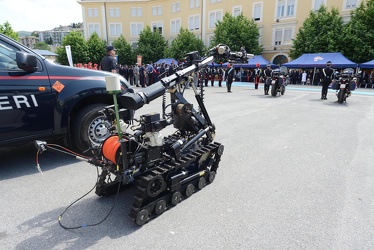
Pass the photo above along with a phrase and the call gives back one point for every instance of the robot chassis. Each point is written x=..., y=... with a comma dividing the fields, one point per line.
x=167, y=169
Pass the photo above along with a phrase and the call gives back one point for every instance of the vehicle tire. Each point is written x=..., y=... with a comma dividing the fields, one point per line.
x=283, y=90
x=341, y=96
x=273, y=90
x=90, y=128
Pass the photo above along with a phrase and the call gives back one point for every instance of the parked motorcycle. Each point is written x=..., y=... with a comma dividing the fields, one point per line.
x=345, y=84
x=278, y=82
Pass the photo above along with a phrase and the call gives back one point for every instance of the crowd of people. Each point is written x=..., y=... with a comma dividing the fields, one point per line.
x=147, y=74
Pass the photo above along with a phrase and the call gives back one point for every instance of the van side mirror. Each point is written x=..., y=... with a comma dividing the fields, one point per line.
x=26, y=62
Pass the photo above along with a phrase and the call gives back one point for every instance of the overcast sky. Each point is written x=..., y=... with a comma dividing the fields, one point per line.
x=35, y=15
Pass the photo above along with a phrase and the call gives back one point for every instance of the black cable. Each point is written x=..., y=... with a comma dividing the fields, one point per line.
x=88, y=225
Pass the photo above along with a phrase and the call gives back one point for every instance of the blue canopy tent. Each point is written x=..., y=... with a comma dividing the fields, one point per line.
x=367, y=65
x=167, y=61
x=319, y=60
x=253, y=61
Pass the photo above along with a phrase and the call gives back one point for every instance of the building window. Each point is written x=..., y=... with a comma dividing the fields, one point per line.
x=215, y=1
x=280, y=9
x=287, y=38
x=317, y=4
x=134, y=44
x=114, y=12
x=236, y=10
x=157, y=26
x=175, y=7
x=350, y=4
x=214, y=17
x=115, y=29
x=94, y=28
x=92, y=12
x=257, y=11
x=136, y=28
x=286, y=8
x=194, y=4
x=194, y=22
x=157, y=10
x=278, y=37
x=283, y=36
x=136, y=11
x=175, y=25
x=291, y=8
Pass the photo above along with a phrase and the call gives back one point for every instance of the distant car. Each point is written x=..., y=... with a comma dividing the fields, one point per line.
x=40, y=99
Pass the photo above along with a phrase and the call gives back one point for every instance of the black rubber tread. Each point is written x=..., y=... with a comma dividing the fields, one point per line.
x=143, y=202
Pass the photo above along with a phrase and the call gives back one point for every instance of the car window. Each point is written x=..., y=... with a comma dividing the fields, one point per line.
x=8, y=56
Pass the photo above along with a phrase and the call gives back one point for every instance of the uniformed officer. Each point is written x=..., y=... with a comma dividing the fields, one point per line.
x=206, y=75
x=212, y=75
x=267, y=75
x=109, y=62
x=220, y=76
x=230, y=72
x=257, y=75
x=326, y=76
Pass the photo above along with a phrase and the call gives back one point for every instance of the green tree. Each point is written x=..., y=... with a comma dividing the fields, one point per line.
x=49, y=41
x=42, y=46
x=34, y=33
x=96, y=48
x=359, y=34
x=79, y=49
x=151, y=45
x=7, y=30
x=236, y=32
x=124, y=51
x=320, y=32
x=184, y=43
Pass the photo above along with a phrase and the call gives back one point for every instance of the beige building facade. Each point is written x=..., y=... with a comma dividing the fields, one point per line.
x=278, y=20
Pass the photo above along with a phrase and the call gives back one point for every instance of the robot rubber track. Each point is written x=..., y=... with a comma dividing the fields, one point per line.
x=163, y=187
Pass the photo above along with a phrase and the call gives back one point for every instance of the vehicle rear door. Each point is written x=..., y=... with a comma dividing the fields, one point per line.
x=26, y=102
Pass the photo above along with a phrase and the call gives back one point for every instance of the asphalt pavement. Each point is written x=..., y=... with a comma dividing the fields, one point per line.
x=297, y=173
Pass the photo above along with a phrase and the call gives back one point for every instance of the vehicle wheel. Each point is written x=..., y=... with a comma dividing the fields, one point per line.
x=273, y=90
x=142, y=217
x=160, y=207
x=190, y=190
x=176, y=198
x=156, y=186
x=212, y=176
x=90, y=128
x=341, y=96
x=201, y=183
x=283, y=90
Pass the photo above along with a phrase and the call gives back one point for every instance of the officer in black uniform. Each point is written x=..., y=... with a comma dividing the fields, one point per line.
x=212, y=75
x=220, y=76
x=109, y=62
x=229, y=76
x=326, y=76
x=267, y=75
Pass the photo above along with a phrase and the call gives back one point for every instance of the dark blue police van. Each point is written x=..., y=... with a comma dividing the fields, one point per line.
x=40, y=99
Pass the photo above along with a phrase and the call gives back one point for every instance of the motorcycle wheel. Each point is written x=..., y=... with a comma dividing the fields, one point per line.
x=341, y=96
x=283, y=90
x=273, y=90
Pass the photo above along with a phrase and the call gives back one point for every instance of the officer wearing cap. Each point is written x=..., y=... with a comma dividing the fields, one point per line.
x=230, y=72
x=267, y=75
x=326, y=76
x=109, y=62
